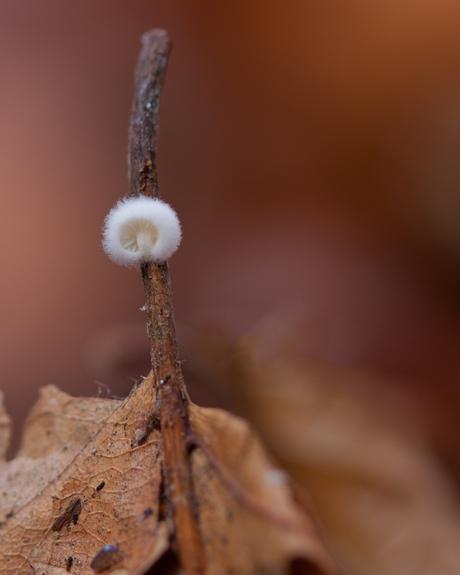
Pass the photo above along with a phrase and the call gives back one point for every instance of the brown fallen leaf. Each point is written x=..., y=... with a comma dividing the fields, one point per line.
x=84, y=450
x=383, y=499
x=103, y=486
x=58, y=428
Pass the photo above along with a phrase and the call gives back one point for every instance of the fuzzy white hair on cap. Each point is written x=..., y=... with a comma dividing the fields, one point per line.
x=139, y=230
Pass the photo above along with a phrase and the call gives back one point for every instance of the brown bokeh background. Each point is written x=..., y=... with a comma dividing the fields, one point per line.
x=312, y=152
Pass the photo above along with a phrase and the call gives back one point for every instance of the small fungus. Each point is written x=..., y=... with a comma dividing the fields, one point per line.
x=139, y=230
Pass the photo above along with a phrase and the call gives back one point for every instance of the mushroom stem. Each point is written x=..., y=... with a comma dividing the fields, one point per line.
x=144, y=243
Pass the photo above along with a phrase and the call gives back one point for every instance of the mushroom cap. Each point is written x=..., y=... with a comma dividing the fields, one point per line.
x=139, y=230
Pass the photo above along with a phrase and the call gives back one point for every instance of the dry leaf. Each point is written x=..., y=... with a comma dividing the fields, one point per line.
x=81, y=450
x=81, y=482
x=386, y=504
x=249, y=519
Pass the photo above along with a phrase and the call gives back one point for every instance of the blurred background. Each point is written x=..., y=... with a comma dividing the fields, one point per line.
x=312, y=153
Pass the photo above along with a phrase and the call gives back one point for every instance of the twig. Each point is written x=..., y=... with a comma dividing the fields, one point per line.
x=172, y=398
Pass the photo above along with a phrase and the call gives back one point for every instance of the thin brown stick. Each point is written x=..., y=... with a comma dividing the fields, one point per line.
x=172, y=399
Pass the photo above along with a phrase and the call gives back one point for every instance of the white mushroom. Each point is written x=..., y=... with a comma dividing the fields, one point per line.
x=141, y=230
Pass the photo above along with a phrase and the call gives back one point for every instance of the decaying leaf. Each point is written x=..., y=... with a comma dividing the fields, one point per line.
x=71, y=448
x=57, y=429
x=386, y=505
x=95, y=503
x=246, y=504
